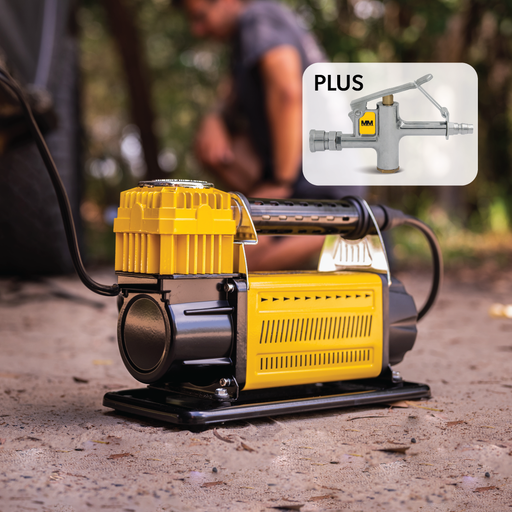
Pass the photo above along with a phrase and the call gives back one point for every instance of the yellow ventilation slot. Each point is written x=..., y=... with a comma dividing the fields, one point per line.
x=315, y=329
x=315, y=359
x=268, y=301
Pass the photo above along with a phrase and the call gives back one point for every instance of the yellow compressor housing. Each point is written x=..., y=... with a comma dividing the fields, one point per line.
x=307, y=327
x=193, y=319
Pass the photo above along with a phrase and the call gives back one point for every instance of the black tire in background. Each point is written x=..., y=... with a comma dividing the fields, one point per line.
x=32, y=238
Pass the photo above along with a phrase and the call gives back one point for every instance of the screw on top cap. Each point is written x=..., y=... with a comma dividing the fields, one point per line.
x=176, y=183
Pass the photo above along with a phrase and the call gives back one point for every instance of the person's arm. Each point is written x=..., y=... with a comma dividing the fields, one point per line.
x=212, y=144
x=281, y=70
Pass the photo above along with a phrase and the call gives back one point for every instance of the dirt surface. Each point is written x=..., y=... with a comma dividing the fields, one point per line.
x=60, y=450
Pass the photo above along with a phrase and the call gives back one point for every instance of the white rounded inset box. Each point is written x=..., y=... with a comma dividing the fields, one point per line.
x=390, y=124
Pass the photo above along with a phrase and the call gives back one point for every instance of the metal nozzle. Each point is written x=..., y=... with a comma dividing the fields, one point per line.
x=460, y=129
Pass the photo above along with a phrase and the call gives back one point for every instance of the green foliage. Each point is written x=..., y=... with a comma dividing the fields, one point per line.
x=185, y=74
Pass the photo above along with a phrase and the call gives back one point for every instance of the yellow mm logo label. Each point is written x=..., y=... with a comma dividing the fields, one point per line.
x=367, y=124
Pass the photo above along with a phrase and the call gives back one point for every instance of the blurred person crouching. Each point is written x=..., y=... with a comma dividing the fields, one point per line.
x=252, y=140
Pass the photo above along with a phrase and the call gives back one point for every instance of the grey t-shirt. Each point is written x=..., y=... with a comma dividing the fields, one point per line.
x=264, y=25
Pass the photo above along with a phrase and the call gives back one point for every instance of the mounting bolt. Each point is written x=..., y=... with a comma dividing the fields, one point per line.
x=229, y=287
x=225, y=382
x=221, y=393
x=395, y=376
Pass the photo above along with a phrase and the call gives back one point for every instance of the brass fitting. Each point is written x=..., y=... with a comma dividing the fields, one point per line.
x=387, y=100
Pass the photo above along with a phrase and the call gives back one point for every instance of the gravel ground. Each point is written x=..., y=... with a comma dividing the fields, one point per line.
x=60, y=450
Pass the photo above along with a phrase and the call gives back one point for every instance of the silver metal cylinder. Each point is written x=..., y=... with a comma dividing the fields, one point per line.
x=423, y=128
x=303, y=217
x=389, y=138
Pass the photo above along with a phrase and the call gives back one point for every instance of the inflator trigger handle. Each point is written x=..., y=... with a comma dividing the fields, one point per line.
x=360, y=103
x=444, y=111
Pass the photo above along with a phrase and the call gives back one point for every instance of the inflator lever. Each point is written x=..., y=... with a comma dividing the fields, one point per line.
x=360, y=103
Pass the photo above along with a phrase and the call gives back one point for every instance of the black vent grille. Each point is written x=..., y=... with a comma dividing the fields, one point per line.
x=315, y=359
x=316, y=329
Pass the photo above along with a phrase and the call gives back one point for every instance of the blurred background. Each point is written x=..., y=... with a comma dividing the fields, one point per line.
x=144, y=82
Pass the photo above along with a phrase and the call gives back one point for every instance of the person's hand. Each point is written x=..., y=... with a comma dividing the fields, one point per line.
x=212, y=145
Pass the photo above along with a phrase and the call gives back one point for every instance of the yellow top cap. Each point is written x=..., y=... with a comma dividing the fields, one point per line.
x=174, y=226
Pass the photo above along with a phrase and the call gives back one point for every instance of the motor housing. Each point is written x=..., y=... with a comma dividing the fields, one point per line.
x=193, y=315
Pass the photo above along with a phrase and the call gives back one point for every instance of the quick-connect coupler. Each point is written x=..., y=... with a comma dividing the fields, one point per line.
x=381, y=129
x=324, y=141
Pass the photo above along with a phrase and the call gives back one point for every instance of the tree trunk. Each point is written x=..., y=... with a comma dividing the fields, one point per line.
x=124, y=30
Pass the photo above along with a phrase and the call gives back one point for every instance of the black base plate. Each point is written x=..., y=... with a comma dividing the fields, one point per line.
x=181, y=409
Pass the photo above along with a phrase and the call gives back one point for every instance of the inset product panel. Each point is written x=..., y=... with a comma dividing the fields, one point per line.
x=390, y=124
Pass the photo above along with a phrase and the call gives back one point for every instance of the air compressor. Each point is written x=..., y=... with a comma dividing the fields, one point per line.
x=215, y=342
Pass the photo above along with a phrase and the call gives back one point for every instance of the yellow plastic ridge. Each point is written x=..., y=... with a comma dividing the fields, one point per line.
x=174, y=230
